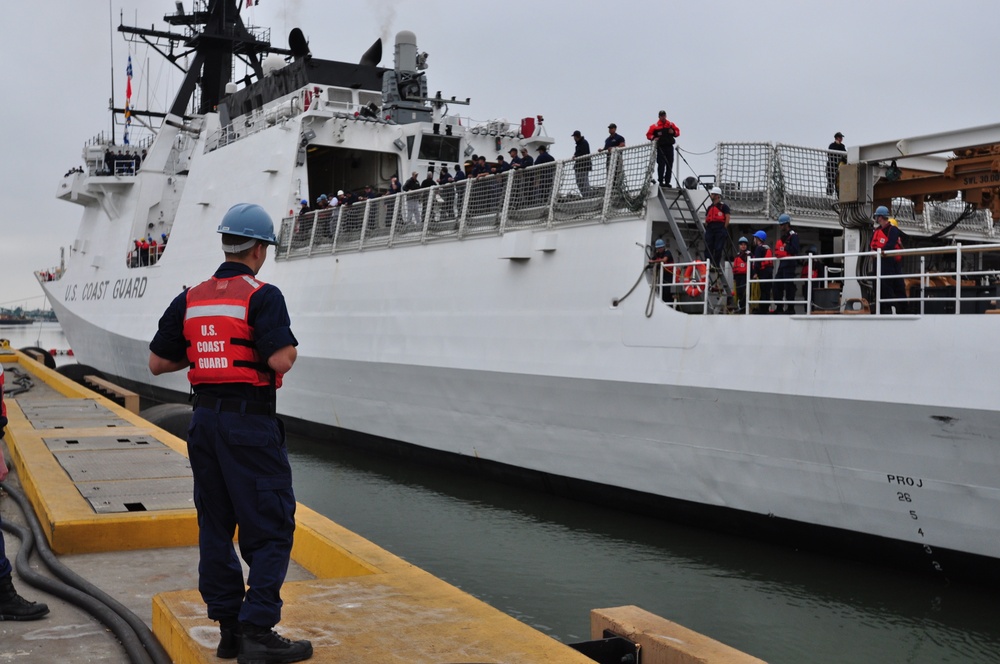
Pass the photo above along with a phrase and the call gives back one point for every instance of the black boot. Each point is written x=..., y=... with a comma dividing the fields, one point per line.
x=262, y=645
x=15, y=607
x=229, y=641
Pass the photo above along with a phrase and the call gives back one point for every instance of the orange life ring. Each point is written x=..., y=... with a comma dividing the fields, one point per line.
x=694, y=279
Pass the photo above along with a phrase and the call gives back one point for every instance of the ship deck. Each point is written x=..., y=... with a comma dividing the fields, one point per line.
x=112, y=493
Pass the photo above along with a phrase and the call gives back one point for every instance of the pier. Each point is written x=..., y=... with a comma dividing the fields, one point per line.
x=113, y=495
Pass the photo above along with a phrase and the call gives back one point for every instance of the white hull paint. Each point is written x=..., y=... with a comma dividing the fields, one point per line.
x=878, y=425
x=812, y=419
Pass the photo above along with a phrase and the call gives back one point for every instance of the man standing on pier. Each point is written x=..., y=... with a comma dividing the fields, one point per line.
x=233, y=335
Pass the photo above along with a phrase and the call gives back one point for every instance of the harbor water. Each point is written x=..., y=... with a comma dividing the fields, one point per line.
x=547, y=561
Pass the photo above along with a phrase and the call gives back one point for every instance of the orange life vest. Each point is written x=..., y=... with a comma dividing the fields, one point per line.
x=880, y=239
x=715, y=215
x=694, y=279
x=220, y=338
x=740, y=263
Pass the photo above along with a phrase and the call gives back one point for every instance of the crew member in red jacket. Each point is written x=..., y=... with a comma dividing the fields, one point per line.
x=762, y=271
x=664, y=132
x=741, y=263
x=886, y=238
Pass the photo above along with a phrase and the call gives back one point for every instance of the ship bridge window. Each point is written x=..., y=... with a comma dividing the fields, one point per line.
x=339, y=97
x=439, y=148
x=365, y=98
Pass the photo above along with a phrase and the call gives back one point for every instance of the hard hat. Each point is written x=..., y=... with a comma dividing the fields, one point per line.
x=742, y=240
x=881, y=211
x=659, y=244
x=304, y=202
x=247, y=220
x=784, y=219
x=322, y=197
x=760, y=235
x=715, y=191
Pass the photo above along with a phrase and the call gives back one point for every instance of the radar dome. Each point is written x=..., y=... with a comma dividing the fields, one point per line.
x=272, y=63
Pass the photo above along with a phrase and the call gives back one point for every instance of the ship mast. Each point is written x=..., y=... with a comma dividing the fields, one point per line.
x=215, y=33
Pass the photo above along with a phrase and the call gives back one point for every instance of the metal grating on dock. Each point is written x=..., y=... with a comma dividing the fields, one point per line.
x=172, y=493
x=71, y=414
x=125, y=473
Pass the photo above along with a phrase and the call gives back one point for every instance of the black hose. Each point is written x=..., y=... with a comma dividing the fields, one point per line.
x=617, y=301
x=139, y=642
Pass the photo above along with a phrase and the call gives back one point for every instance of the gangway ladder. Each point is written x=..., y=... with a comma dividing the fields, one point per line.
x=682, y=214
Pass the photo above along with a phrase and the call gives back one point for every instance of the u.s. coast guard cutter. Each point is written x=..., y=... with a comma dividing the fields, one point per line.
x=485, y=319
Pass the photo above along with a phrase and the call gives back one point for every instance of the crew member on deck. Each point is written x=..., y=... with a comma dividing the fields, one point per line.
x=762, y=271
x=581, y=166
x=740, y=265
x=614, y=139
x=233, y=335
x=886, y=238
x=662, y=264
x=716, y=228
x=833, y=164
x=664, y=132
x=786, y=249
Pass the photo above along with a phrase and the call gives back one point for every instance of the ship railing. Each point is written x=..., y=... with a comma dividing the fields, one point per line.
x=958, y=279
x=52, y=274
x=686, y=287
x=765, y=179
x=256, y=121
x=544, y=196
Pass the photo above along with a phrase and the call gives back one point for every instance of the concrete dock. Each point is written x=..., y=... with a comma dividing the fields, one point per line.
x=113, y=495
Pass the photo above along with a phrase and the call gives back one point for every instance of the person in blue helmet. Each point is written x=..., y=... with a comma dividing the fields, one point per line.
x=787, y=250
x=886, y=238
x=233, y=335
x=664, y=260
x=762, y=271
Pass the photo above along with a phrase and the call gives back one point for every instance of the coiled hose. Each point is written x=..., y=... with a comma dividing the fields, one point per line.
x=135, y=636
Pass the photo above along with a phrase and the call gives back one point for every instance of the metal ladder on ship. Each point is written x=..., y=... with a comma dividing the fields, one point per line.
x=682, y=214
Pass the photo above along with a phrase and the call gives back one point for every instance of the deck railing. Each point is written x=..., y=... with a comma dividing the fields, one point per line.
x=595, y=189
x=766, y=179
x=958, y=279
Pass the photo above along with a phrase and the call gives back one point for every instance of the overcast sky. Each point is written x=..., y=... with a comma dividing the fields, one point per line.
x=737, y=70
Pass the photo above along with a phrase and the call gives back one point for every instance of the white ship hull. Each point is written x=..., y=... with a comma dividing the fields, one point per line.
x=839, y=422
x=504, y=346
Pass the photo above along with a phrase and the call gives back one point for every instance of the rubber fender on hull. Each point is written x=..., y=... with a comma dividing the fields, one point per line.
x=47, y=358
x=76, y=372
x=173, y=418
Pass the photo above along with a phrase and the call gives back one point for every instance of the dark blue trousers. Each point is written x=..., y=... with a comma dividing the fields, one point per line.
x=242, y=478
x=5, y=568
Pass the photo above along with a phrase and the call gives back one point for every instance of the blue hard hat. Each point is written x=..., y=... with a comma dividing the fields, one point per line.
x=760, y=235
x=881, y=211
x=322, y=197
x=304, y=202
x=784, y=219
x=249, y=220
x=659, y=244
x=742, y=240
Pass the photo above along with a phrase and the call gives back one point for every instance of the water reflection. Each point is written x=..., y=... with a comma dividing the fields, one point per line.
x=547, y=560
